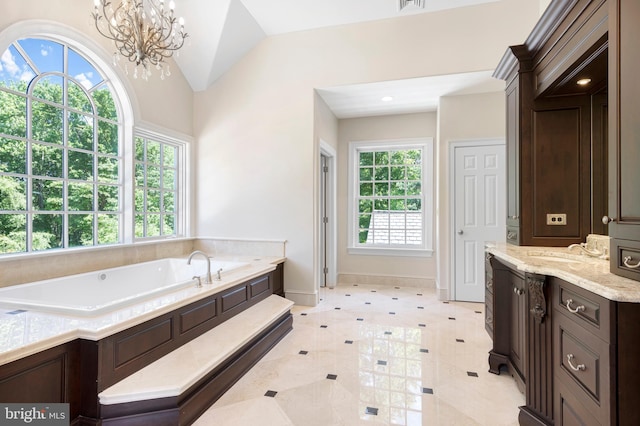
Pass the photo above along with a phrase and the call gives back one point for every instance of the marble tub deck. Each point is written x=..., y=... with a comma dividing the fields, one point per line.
x=375, y=355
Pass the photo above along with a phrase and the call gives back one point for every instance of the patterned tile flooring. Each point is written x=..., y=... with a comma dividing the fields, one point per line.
x=375, y=355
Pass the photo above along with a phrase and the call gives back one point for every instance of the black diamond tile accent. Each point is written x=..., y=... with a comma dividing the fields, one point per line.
x=332, y=376
x=472, y=374
x=373, y=291
x=337, y=309
x=16, y=312
x=419, y=294
x=303, y=352
x=422, y=325
x=371, y=410
x=478, y=312
x=355, y=285
x=420, y=307
x=360, y=319
x=427, y=390
x=271, y=393
x=394, y=298
x=324, y=326
x=424, y=351
x=387, y=333
x=349, y=342
x=397, y=288
x=381, y=362
x=304, y=314
x=452, y=318
x=347, y=295
x=367, y=303
x=446, y=303
x=392, y=313
x=460, y=340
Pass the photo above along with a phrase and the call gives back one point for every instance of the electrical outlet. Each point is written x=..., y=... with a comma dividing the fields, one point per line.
x=556, y=219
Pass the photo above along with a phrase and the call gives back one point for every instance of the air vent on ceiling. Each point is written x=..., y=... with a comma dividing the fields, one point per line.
x=404, y=3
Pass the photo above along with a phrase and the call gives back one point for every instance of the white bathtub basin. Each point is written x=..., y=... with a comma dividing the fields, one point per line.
x=96, y=293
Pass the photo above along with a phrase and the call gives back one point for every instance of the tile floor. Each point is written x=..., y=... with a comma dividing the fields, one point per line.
x=375, y=355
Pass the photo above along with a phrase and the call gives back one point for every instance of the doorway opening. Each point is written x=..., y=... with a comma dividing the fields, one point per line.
x=327, y=275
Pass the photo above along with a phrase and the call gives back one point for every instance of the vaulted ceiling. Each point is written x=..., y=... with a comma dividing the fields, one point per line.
x=223, y=31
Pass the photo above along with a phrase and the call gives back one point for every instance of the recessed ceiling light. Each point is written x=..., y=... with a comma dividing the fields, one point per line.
x=387, y=98
x=583, y=81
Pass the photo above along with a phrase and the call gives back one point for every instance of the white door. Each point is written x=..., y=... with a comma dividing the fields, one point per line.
x=479, y=214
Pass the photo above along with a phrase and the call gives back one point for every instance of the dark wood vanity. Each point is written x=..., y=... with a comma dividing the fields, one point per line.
x=571, y=149
x=572, y=351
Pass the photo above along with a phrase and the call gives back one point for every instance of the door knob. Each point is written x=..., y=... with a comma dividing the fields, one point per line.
x=460, y=232
x=606, y=219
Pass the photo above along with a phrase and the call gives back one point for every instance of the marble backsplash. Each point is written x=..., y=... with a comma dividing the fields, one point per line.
x=21, y=269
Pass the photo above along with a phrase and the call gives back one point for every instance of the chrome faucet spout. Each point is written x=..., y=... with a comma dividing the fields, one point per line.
x=207, y=279
x=588, y=252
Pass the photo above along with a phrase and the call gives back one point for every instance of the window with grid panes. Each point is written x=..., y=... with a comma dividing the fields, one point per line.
x=391, y=198
x=60, y=150
x=156, y=188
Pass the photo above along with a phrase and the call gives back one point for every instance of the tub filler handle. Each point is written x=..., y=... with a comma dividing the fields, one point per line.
x=199, y=284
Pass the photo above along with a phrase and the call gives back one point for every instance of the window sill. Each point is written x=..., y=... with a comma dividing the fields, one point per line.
x=383, y=251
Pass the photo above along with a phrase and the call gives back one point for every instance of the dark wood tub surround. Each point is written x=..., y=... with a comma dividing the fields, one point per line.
x=77, y=371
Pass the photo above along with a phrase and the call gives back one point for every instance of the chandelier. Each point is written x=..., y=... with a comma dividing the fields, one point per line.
x=403, y=3
x=145, y=33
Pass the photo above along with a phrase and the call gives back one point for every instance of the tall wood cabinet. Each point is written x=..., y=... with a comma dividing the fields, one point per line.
x=553, y=137
x=624, y=135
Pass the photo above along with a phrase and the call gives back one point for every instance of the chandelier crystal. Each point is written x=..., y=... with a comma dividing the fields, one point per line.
x=145, y=32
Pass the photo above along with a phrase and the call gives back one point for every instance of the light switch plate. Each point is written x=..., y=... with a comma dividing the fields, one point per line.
x=556, y=219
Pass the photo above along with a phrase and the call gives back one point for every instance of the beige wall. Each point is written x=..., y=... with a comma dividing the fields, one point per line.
x=418, y=271
x=256, y=150
x=168, y=103
x=460, y=118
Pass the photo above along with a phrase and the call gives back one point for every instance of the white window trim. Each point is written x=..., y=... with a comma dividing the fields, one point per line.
x=124, y=96
x=182, y=142
x=428, y=188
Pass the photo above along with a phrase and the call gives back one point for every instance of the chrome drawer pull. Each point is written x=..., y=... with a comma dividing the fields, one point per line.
x=628, y=265
x=580, y=308
x=579, y=367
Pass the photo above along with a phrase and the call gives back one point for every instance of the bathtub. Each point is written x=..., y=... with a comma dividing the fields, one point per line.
x=99, y=292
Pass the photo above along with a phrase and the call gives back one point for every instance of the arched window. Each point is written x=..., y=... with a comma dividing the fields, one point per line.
x=60, y=150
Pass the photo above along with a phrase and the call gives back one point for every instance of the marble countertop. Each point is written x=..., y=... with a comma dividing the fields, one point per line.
x=27, y=332
x=589, y=273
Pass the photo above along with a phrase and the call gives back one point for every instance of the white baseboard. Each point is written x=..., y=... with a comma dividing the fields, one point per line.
x=302, y=298
x=390, y=281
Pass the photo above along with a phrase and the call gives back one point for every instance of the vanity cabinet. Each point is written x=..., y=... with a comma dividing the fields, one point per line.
x=508, y=295
x=595, y=352
x=572, y=352
x=624, y=147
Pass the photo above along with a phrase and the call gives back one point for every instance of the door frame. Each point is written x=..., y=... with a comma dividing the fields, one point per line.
x=469, y=143
x=332, y=229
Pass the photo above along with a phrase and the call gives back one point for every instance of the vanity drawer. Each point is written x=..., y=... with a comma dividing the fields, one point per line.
x=625, y=258
x=589, y=310
x=581, y=364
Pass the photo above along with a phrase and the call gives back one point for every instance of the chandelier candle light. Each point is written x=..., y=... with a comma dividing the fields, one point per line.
x=144, y=31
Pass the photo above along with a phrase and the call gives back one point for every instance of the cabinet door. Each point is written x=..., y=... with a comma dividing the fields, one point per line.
x=518, y=323
x=624, y=136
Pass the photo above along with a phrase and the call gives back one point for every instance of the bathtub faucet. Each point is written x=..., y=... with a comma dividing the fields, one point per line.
x=207, y=280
